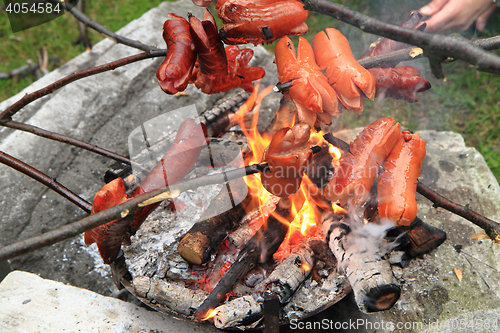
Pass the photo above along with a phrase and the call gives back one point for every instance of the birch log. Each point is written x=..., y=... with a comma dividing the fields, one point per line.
x=360, y=257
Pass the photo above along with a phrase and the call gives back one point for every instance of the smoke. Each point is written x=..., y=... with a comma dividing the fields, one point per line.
x=366, y=240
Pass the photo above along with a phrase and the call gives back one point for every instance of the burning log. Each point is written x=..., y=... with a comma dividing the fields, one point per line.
x=206, y=235
x=282, y=283
x=250, y=223
x=359, y=252
x=258, y=250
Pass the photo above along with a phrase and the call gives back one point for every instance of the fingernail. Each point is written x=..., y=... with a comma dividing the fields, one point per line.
x=426, y=10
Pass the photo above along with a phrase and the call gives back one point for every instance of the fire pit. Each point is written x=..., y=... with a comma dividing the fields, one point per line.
x=454, y=169
x=303, y=275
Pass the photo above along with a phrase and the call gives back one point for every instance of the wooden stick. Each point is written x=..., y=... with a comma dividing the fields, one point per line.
x=28, y=98
x=359, y=256
x=45, y=180
x=66, y=139
x=126, y=208
x=436, y=46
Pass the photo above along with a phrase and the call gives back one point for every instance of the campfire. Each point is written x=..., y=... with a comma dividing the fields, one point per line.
x=214, y=220
x=226, y=252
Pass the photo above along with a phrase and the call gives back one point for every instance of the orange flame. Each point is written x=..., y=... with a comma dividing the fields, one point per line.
x=304, y=206
x=211, y=314
x=334, y=151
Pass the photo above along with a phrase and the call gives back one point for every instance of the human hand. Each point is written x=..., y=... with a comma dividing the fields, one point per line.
x=456, y=14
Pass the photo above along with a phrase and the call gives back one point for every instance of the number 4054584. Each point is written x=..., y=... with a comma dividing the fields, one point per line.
x=35, y=8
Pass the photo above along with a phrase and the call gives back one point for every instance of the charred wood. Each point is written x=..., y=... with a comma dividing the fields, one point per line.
x=160, y=292
x=203, y=239
x=259, y=249
x=422, y=238
x=281, y=284
x=216, y=119
x=240, y=311
x=250, y=223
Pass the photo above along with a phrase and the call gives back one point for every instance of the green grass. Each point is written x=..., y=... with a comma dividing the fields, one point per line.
x=58, y=36
x=468, y=102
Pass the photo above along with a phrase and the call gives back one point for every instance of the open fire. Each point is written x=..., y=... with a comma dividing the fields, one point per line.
x=225, y=266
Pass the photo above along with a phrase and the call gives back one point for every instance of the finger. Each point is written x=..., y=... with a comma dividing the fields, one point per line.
x=441, y=21
x=433, y=7
x=483, y=18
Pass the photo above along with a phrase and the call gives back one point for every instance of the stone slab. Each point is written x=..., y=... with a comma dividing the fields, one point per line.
x=29, y=303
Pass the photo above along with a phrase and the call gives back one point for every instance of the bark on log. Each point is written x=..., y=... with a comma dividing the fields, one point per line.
x=160, y=292
x=250, y=223
x=221, y=216
x=359, y=256
x=283, y=282
x=258, y=250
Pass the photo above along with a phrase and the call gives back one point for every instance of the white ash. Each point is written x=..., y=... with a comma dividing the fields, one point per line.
x=158, y=236
x=93, y=251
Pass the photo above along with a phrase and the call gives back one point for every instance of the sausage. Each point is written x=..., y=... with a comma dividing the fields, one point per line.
x=357, y=170
x=220, y=69
x=349, y=79
x=311, y=93
x=111, y=194
x=397, y=185
x=173, y=166
x=287, y=155
x=399, y=83
x=211, y=56
x=261, y=22
x=175, y=72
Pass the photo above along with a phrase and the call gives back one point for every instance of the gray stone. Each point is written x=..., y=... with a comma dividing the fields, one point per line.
x=29, y=303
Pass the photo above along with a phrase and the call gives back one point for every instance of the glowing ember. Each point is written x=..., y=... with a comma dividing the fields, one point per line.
x=306, y=267
x=337, y=209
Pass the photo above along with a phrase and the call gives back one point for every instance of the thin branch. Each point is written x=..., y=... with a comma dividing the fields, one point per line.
x=99, y=28
x=491, y=227
x=45, y=180
x=28, y=98
x=410, y=53
x=488, y=44
x=84, y=38
x=434, y=45
x=25, y=70
x=71, y=141
x=120, y=211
